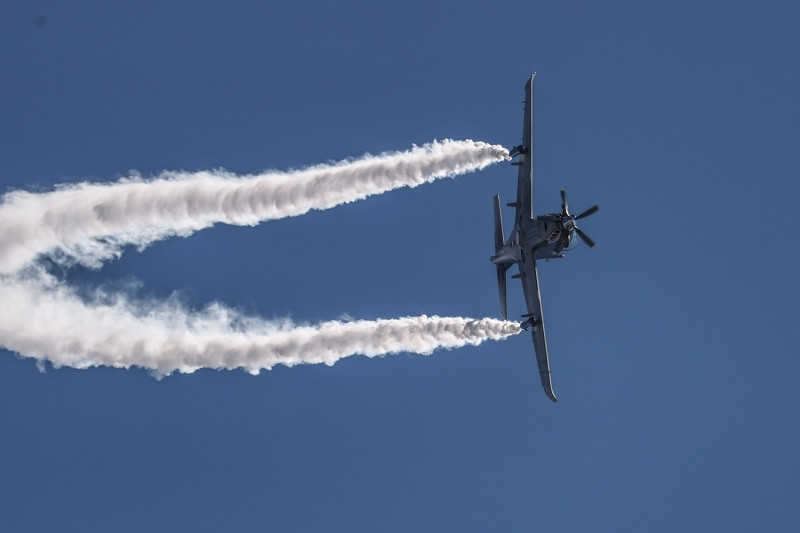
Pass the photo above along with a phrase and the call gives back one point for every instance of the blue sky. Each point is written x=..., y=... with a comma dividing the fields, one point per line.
x=673, y=343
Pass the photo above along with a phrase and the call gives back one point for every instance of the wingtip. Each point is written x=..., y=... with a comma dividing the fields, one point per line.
x=551, y=394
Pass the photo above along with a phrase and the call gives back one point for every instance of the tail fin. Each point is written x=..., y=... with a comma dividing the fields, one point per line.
x=501, y=269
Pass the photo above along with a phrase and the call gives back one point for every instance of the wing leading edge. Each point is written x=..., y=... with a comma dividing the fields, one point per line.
x=535, y=320
x=524, y=203
x=528, y=272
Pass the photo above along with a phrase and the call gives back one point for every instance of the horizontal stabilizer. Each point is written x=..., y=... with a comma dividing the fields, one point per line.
x=499, y=240
x=501, y=286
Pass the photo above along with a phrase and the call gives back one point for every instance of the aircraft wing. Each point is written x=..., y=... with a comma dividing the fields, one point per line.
x=524, y=203
x=530, y=285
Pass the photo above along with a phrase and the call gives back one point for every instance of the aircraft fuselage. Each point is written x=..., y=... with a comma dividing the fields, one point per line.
x=541, y=237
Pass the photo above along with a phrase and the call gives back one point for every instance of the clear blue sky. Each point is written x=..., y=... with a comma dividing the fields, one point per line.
x=673, y=343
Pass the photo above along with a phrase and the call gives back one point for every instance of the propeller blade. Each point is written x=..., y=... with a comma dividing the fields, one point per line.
x=584, y=237
x=592, y=210
x=564, y=206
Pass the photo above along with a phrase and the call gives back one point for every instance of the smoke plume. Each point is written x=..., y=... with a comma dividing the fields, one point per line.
x=43, y=318
x=89, y=223
x=111, y=329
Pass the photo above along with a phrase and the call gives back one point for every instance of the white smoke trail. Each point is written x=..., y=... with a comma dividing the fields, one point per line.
x=46, y=320
x=42, y=318
x=89, y=223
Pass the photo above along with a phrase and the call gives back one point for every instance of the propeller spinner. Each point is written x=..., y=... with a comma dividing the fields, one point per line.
x=568, y=221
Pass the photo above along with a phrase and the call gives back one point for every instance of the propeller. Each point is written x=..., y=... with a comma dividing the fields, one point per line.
x=592, y=210
x=585, y=238
x=568, y=221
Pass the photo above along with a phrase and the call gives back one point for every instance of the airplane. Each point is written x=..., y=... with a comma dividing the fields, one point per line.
x=533, y=237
